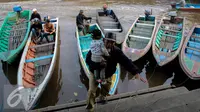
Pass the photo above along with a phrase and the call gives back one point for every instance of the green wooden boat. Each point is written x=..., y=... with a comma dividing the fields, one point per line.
x=139, y=38
x=83, y=43
x=168, y=40
x=13, y=35
x=189, y=58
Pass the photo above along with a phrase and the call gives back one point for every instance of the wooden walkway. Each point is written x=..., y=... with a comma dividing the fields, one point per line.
x=160, y=99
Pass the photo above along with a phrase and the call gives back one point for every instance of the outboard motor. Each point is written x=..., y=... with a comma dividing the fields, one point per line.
x=17, y=9
x=172, y=14
x=147, y=14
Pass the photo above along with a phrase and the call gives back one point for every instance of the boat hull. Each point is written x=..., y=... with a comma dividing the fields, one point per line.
x=189, y=58
x=138, y=40
x=189, y=7
x=168, y=40
x=12, y=44
x=46, y=60
x=110, y=23
x=83, y=43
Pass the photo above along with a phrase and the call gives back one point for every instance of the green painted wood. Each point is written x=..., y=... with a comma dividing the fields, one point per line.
x=199, y=71
x=11, y=29
x=189, y=63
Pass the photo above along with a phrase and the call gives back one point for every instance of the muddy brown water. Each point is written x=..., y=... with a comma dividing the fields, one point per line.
x=68, y=82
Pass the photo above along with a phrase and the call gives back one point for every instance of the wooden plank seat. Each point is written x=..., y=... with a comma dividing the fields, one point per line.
x=143, y=24
x=113, y=30
x=171, y=30
x=39, y=58
x=135, y=36
x=42, y=45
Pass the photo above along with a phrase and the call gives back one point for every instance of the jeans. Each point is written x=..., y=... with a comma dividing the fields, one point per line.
x=35, y=33
x=45, y=35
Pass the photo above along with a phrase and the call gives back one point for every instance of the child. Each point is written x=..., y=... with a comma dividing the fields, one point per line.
x=98, y=50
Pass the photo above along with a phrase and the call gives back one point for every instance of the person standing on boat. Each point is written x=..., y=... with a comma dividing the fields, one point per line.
x=80, y=23
x=48, y=30
x=116, y=56
x=36, y=28
x=35, y=14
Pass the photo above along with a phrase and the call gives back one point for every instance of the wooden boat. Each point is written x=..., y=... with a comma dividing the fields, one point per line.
x=14, y=35
x=139, y=38
x=110, y=23
x=189, y=58
x=168, y=40
x=83, y=43
x=189, y=7
x=36, y=67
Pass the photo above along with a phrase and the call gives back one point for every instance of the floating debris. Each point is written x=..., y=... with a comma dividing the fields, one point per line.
x=75, y=94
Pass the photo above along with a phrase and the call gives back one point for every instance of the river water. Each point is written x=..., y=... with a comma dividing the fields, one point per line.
x=68, y=83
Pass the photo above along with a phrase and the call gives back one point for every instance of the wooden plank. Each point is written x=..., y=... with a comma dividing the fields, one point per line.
x=193, y=49
x=117, y=30
x=135, y=36
x=36, y=46
x=171, y=30
x=109, y=22
x=39, y=58
x=143, y=24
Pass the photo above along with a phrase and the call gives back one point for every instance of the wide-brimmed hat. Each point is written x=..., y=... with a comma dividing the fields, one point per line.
x=110, y=36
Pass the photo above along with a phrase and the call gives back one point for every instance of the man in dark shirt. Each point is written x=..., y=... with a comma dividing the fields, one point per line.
x=36, y=28
x=35, y=14
x=80, y=23
x=116, y=56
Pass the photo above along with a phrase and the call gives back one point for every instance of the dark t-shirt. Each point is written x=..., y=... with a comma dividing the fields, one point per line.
x=116, y=56
x=37, y=15
x=37, y=26
x=80, y=18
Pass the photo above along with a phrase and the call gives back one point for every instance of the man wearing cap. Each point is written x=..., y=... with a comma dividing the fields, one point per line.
x=116, y=56
x=35, y=14
x=36, y=28
x=79, y=21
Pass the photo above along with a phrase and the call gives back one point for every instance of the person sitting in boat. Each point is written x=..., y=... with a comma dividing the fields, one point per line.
x=36, y=28
x=98, y=50
x=80, y=23
x=48, y=30
x=116, y=56
x=105, y=9
x=35, y=14
x=147, y=15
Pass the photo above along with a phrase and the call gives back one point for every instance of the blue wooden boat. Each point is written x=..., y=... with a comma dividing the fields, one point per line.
x=189, y=58
x=189, y=7
x=83, y=43
x=168, y=40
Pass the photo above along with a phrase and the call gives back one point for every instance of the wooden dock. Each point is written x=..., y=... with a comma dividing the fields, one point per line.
x=160, y=99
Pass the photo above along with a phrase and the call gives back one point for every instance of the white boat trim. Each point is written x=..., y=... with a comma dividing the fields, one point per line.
x=40, y=88
x=113, y=30
x=135, y=36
